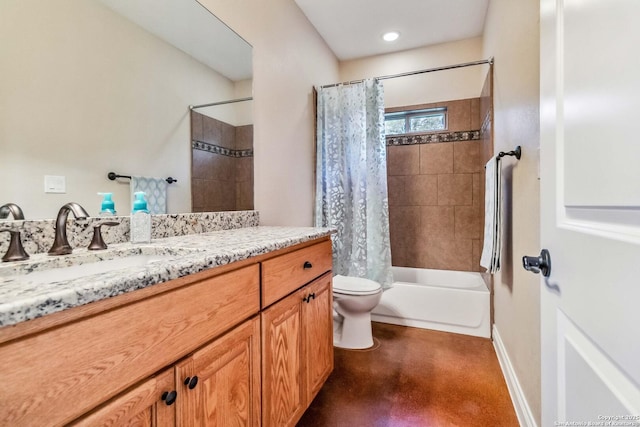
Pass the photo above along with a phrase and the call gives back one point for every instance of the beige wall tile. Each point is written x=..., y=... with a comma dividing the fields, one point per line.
x=224, y=168
x=244, y=137
x=196, y=126
x=197, y=193
x=466, y=156
x=478, y=185
x=459, y=115
x=211, y=131
x=437, y=221
x=396, y=190
x=476, y=121
x=403, y=223
x=421, y=190
x=467, y=222
x=202, y=164
x=448, y=254
x=244, y=196
x=228, y=135
x=403, y=160
x=436, y=158
x=455, y=189
x=476, y=245
x=244, y=169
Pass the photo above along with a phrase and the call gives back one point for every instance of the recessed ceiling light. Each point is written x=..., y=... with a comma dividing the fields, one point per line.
x=390, y=36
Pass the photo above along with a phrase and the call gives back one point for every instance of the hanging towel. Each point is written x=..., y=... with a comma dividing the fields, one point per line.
x=490, y=258
x=156, y=191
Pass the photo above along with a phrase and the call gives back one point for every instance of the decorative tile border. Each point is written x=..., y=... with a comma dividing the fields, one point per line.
x=216, y=149
x=37, y=235
x=433, y=138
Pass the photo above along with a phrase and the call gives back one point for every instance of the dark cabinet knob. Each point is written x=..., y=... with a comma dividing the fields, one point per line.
x=309, y=297
x=191, y=382
x=169, y=397
x=307, y=265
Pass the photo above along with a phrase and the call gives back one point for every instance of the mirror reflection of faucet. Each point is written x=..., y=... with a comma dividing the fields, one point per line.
x=13, y=209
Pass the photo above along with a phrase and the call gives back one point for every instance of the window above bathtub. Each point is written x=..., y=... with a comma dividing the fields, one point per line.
x=416, y=121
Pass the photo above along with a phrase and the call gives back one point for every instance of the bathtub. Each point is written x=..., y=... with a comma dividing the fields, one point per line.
x=451, y=301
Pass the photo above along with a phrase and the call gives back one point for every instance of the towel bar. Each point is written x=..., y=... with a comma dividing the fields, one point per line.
x=517, y=153
x=112, y=176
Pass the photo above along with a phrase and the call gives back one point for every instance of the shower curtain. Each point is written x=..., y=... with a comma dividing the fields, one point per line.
x=351, y=179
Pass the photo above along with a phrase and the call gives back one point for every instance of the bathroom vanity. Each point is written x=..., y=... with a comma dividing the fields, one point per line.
x=237, y=332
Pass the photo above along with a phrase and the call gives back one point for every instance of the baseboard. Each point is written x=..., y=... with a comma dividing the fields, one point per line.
x=520, y=404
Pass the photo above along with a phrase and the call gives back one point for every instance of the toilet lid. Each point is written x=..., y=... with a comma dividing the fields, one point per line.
x=354, y=285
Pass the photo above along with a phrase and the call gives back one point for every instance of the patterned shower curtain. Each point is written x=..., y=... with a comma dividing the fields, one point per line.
x=351, y=179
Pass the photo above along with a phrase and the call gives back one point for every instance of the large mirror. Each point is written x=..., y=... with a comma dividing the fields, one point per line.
x=90, y=87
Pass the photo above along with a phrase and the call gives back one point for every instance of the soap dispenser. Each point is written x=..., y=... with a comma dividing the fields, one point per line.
x=108, y=208
x=140, y=219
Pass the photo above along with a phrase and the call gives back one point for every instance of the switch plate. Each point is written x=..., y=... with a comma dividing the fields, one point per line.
x=55, y=184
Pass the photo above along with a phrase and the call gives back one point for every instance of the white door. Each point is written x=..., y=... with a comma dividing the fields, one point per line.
x=590, y=210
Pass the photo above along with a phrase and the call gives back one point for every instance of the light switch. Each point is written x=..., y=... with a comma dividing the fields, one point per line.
x=55, y=184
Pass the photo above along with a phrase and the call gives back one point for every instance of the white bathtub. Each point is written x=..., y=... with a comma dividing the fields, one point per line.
x=451, y=301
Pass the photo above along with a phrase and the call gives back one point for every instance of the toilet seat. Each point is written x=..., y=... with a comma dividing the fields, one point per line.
x=346, y=285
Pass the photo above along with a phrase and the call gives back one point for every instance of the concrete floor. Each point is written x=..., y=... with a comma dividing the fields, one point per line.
x=414, y=377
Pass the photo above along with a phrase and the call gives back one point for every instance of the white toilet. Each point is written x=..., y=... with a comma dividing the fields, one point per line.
x=353, y=300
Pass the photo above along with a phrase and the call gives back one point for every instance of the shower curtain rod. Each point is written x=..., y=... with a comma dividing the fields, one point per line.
x=411, y=73
x=212, y=104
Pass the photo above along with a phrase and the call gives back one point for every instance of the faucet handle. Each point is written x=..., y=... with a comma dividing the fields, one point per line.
x=16, y=251
x=97, y=243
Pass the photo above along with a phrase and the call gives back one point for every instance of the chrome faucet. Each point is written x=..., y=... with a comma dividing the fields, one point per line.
x=11, y=208
x=60, y=243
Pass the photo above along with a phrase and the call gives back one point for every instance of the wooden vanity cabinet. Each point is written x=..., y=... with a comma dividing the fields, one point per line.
x=297, y=341
x=219, y=385
x=203, y=350
x=58, y=374
x=150, y=404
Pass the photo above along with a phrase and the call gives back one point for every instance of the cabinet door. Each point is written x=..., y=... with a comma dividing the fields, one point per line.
x=283, y=379
x=317, y=321
x=150, y=404
x=219, y=385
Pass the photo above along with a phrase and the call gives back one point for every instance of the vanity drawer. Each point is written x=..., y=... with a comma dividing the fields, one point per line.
x=286, y=273
x=52, y=377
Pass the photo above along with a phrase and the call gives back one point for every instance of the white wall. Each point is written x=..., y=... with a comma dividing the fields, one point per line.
x=85, y=92
x=289, y=58
x=512, y=37
x=423, y=88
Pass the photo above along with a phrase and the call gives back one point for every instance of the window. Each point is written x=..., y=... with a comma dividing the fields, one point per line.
x=415, y=121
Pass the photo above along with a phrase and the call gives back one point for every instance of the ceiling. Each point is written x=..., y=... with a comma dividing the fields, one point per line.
x=354, y=28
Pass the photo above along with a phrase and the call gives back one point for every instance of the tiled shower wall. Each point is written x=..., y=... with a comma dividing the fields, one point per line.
x=436, y=200
x=222, y=165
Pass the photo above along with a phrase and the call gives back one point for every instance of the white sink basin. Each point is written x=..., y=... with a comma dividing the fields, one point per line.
x=91, y=268
x=45, y=269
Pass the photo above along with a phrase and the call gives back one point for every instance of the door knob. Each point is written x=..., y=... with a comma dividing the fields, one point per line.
x=539, y=264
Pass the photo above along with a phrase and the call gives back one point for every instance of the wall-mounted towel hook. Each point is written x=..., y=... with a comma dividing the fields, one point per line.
x=517, y=153
x=112, y=176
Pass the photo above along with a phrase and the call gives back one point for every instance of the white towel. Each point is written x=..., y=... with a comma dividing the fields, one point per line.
x=155, y=190
x=490, y=258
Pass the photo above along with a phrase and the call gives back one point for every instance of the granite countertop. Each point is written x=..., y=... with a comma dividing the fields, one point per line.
x=37, y=287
